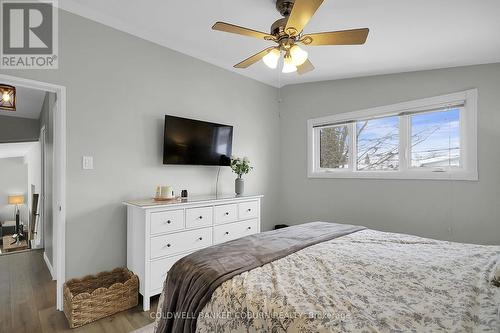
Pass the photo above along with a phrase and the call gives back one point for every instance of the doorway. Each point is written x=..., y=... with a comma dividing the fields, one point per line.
x=15, y=223
x=55, y=195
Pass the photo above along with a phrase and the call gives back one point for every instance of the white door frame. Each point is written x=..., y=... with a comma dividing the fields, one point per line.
x=59, y=179
x=41, y=200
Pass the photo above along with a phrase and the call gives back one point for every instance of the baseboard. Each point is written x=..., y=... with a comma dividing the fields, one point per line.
x=49, y=266
x=34, y=246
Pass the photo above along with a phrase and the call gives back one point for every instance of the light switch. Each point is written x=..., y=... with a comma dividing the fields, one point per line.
x=88, y=162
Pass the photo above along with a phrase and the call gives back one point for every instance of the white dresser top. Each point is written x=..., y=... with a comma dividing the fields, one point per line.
x=150, y=203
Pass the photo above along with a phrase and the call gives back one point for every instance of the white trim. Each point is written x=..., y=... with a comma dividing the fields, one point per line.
x=468, y=136
x=393, y=109
x=59, y=179
x=415, y=174
x=43, y=138
x=49, y=266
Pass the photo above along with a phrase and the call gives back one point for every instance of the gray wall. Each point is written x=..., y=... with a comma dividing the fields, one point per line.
x=15, y=129
x=47, y=121
x=454, y=210
x=13, y=181
x=119, y=88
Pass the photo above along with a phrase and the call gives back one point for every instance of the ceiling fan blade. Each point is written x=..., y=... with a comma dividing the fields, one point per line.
x=253, y=59
x=345, y=37
x=301, y=14
x=234, y=29
x=306, y=67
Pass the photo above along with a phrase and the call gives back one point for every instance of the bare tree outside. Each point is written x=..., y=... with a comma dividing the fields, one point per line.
x=334, y=147
x=378, y=144
x=434, y=142
x=435, y=139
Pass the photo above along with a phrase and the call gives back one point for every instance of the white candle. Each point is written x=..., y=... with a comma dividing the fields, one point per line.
x=167, y=192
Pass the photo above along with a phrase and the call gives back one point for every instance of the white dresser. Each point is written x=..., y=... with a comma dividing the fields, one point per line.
x=159, y=234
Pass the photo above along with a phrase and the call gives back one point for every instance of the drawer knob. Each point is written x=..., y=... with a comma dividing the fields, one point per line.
x=249, y=228
x=201, y=238
x=201, y=217
x=168, y=245
x=168, y=222
x=249, y=209
x=227, y=213
x=227, y=232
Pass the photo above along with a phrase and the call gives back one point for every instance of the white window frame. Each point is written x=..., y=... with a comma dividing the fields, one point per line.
x=468, y=140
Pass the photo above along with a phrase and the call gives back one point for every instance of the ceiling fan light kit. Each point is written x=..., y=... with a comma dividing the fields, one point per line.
x=288, y=65
x=298, y=55
x=287, y=33
x=272, y=58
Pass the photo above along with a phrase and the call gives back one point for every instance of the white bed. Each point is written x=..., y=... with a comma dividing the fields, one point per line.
x=366, y=281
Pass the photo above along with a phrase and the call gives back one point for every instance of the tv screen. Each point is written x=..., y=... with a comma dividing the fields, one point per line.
x=194, y=142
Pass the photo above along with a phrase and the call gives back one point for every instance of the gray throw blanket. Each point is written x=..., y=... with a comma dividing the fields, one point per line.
x=193, y=279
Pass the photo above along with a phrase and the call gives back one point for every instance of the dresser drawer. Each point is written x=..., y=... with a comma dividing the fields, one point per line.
x=166, y=221
x=227, y=232
x=180, y=242
x=159, y=269
x=199, y=217
x=226, y=213
x=248, y=210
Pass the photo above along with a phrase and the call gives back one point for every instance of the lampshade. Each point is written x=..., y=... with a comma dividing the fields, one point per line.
x=7, y=97
x=299, y=56
x=288, y=66
x=16, y=199
x=271, y=58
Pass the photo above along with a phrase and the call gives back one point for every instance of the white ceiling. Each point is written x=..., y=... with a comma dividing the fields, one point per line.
x=8, y=150
x=28, y=103
x=404, y=35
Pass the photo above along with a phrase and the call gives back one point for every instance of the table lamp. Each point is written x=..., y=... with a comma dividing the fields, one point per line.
x=17, y=200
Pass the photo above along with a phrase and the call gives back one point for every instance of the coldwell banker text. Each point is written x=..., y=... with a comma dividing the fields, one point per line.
x=29, y=34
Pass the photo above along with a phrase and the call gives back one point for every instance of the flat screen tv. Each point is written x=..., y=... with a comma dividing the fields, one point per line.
x=194, y=142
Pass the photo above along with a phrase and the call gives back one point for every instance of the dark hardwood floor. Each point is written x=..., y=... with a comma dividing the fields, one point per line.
x=28, y=298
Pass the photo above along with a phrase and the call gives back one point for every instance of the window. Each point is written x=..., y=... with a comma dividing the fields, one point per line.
x=432, y=138
x=435, y=139
x=377, y=144
x=334, y=147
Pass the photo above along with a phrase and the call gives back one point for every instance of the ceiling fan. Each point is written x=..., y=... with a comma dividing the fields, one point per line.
x=287, y=33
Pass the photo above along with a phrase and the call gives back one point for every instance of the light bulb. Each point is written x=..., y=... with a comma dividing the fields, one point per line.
x=299, y=56
x=271, y=58
x=288, y=66
x=6, y=97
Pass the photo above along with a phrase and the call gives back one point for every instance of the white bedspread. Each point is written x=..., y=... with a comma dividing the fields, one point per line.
x=368, y=281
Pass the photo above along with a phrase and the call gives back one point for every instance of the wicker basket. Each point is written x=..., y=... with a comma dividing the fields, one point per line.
x=97, y=296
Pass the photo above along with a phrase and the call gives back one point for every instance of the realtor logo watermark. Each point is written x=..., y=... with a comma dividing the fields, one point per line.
x=29, y=36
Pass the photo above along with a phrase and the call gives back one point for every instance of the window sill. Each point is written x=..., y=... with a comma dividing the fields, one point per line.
x=408, y=175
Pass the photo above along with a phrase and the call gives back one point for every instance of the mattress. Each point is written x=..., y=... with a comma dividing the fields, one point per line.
x=366, y=281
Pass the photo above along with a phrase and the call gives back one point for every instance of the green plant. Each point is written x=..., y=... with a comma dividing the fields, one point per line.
x=240, y=166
